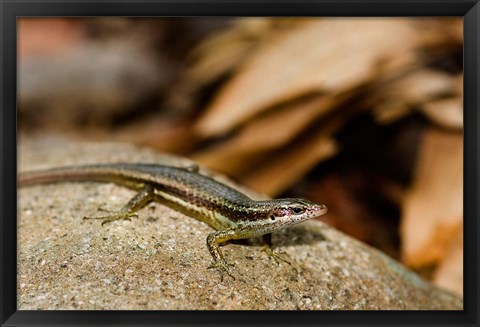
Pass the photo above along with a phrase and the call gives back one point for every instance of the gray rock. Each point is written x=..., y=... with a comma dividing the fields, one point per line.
x=159, y=260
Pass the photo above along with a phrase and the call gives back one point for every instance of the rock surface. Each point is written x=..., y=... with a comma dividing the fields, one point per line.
x=159, y=260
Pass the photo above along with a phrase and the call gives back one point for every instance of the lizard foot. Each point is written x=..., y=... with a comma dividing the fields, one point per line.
x=272, y=254
x=223, y=267
x=114, y=216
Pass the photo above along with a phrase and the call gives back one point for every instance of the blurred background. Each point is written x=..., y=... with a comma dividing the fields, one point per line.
x=364, y=115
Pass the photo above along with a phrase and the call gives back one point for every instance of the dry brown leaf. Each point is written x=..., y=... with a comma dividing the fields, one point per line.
x=281, y=126
x=390, y=110
x=447, y=113
x=219, y=55
x=423, y=85
x=283, y=169
x=398, y=99
x=265, y=133
x=323, y=55
x=459, y=84
x=228, y=49
x=223, y=51
x=433, y=208
x=448, y=31
x=449, y=274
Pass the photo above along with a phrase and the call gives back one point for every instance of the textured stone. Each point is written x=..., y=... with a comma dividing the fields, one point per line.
x=159, y=260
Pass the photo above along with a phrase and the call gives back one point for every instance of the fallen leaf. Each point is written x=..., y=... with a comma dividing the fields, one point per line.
x=449, y=274
x=447, y=113
x=325, y=55
x=398, y=98
x=433, y=208
x=225, y=50
x=284, y=168
x=265, y=133
x=423, y=85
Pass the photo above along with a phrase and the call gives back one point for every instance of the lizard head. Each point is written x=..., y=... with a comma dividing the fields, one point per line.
x=297, y=210
x=285, y=212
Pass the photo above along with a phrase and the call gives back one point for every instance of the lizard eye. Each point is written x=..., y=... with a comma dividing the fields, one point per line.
x=298, y=210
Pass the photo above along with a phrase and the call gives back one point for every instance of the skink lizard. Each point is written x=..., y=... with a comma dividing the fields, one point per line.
x=230, y=212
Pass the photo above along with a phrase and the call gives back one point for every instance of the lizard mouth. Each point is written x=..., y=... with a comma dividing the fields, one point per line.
x=317, y=211
x=321, y=209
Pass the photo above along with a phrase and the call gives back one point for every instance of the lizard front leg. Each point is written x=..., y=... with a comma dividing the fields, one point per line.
x=268, y=248
x=240, y=232
x=213, y=243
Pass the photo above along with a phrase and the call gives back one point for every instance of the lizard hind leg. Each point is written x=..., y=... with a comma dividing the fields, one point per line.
x=140, y=200
x=114, y=216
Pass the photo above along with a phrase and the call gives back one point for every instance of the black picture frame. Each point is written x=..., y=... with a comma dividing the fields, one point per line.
x=11, y=10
